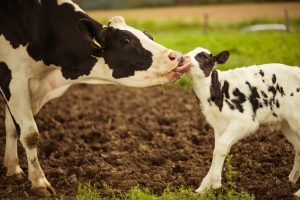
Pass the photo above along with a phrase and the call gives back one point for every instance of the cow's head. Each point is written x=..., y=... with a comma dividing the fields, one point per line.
x=129, y=56
x=203, y=61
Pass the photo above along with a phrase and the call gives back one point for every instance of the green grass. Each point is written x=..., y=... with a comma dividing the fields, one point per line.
x=228, y=192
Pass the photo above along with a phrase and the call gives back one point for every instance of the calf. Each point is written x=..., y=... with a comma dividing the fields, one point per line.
x=236, y=102
x=48, y=45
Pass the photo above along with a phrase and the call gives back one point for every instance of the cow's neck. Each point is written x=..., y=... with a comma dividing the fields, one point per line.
x=50, y=83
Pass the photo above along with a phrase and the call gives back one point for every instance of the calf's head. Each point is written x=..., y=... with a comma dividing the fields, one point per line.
x=203, y=61
x=129, y=56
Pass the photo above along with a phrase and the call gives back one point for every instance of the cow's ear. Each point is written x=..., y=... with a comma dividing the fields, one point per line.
x=90, y=31
x=222, y=57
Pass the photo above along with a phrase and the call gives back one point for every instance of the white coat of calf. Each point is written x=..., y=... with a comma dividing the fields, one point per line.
x=236, y=102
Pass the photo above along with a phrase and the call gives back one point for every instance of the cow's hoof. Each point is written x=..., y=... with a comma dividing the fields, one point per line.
x=18, y=178
x=43, y=192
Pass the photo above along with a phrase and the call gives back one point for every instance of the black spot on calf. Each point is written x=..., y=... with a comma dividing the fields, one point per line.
x=217, y=93
x=264, y=94
x=261, y=72
x=5, y=78
x=253, y=98
x=215, y=90
x=241, y=98
x=273, y=78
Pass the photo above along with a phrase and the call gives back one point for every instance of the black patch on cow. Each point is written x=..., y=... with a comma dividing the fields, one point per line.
x=253, y=98
x=298, y=90
x=263, y=80
x=209, y=101
x=18, y=129
x=261, y=72
x=5, y=78
x=32, y=140
x=292, y=94
x=273, y=78
x=53, y=35
x=124, y=53
x=274, y=114
x=241, y=98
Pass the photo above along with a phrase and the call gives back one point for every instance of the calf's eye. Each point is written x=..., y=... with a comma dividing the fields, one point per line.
x=125, y=41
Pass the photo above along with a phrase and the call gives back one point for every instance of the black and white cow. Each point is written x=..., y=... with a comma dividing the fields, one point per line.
x=48, y=45
x=236, y=102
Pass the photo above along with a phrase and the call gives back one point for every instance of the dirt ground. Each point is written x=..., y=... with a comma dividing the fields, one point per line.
x=126, y=137
x=219, y=13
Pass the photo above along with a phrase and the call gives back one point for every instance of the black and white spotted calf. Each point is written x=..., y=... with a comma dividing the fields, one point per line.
x=236, y=102
x=48, y=45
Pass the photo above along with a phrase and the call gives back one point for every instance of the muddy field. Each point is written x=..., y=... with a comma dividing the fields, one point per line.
x=126, y=137
x=220, y=13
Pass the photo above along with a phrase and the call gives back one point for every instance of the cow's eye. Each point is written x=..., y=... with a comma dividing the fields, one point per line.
x=125, y=41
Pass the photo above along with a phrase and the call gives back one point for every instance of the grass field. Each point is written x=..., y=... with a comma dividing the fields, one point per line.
x=245, y=48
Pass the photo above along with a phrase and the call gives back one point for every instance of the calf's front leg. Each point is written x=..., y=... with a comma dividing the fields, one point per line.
x=234, y=132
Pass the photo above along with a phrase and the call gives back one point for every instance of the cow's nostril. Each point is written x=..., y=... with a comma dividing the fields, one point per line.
x=172, y=56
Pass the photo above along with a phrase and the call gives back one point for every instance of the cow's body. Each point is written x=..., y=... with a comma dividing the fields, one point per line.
x=48, y=45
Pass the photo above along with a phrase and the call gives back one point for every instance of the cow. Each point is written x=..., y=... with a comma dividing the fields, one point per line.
x=48, y=45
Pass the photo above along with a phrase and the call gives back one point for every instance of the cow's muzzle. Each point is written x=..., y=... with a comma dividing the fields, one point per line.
x=184, y=65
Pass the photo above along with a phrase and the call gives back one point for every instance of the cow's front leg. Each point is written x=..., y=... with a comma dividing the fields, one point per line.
x=20, y=108
x=11, y=161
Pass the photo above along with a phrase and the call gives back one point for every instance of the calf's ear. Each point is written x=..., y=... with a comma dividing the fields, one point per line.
x=91, y=31
x=222, y=57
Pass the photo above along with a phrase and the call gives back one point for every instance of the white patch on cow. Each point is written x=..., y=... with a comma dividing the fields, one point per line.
x=76, y=7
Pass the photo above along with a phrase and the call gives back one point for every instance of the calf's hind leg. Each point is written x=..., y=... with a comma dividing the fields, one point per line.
x=291, y=130
x=294, y=139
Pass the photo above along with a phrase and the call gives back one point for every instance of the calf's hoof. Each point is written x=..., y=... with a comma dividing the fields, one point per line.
x=43, y=192
x=216, y=185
